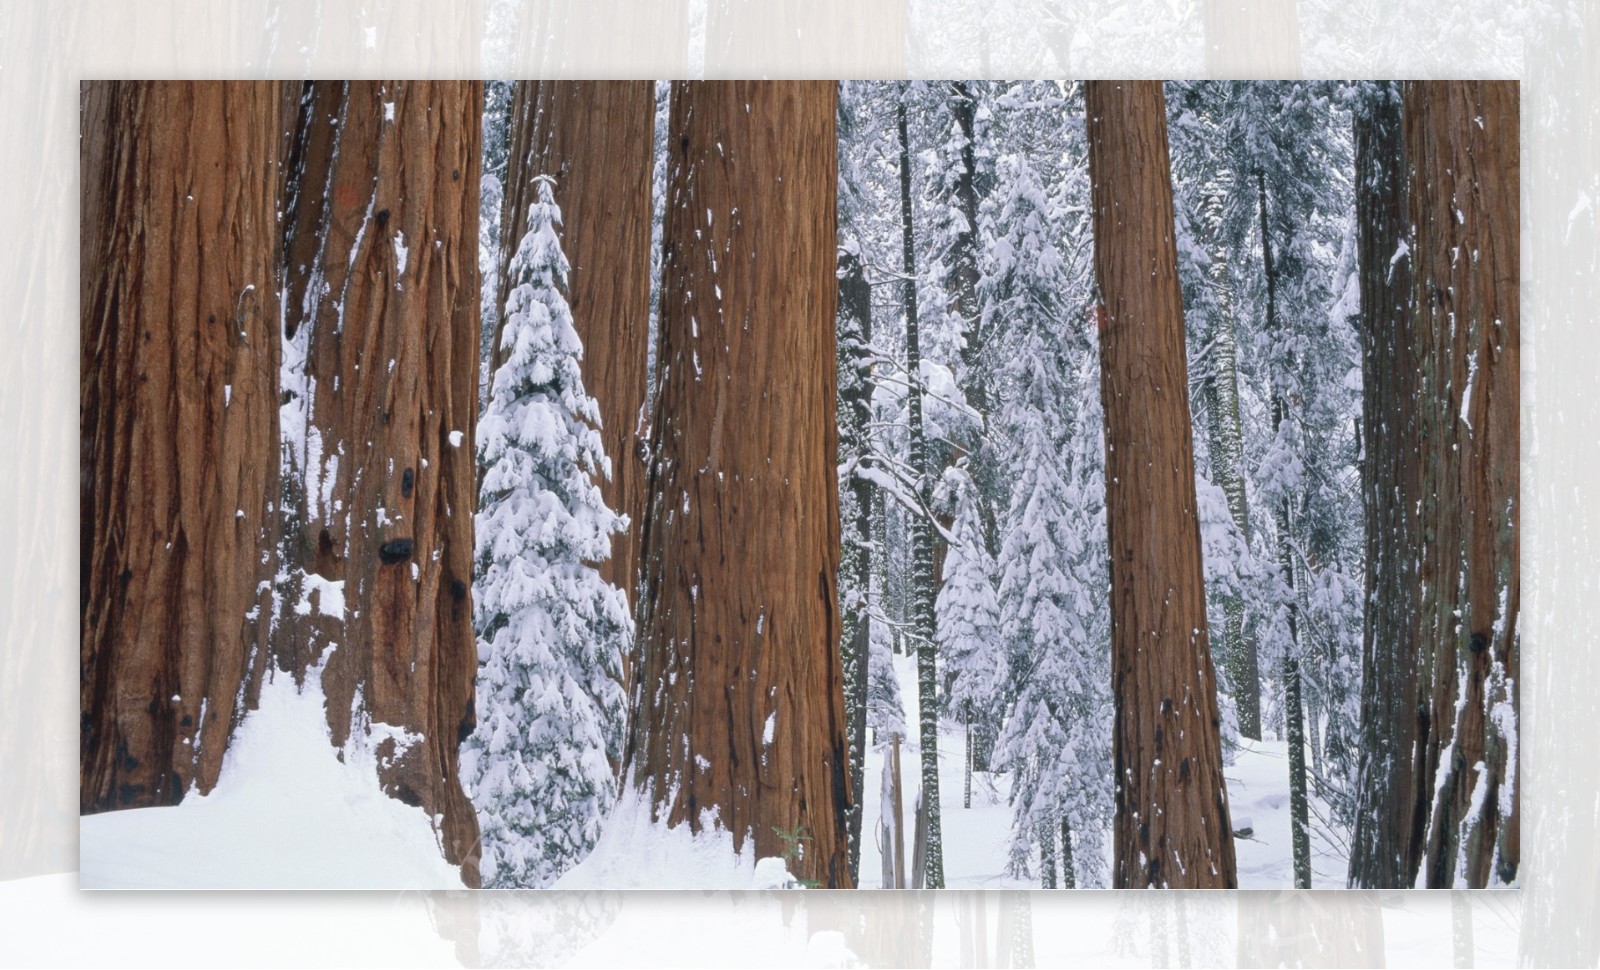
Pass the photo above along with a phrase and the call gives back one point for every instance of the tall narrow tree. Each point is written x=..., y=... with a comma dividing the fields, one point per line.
x=855, y=575
x=738, y=699
x=382, y=381
x=551, y=630
x=1293, y=707
x=178, y=405
x=922, y=561
x=1172, y=825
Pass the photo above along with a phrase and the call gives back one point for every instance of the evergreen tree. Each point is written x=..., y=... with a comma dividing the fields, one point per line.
x=968, y=623
x=551, y=631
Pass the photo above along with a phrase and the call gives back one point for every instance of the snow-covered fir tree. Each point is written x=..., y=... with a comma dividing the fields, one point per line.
x=551, y=632
x=971, y=652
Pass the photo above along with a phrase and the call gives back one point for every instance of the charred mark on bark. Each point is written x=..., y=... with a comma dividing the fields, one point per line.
x=383, y=218
x=395, y=551
x=407, y=482
x=1183, y=771
x=1480, y=641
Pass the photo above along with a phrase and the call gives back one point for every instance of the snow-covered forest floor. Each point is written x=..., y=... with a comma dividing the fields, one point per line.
x=976, y=839
x=290, y=812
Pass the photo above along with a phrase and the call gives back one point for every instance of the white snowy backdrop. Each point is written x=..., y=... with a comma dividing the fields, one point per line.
x=1552, y=46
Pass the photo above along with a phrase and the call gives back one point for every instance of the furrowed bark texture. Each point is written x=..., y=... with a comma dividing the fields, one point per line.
x=738, y=700
x=388, y=327
x=596, y=138
x=1461, y=146
x=1172, y=825
x=178, y=406
x=1392, y=797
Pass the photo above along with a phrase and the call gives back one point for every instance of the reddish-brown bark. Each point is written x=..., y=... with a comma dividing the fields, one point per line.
x=388, y=307
x=1172, y=823
x=179, y=422
x=738, y=699
x=1461, y=148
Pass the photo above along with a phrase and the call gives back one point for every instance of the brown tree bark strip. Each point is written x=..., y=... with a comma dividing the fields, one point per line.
x=1386, y=843
x=1172, y=827
x=1461, y=142
x=597, y=139
x=738, y=703
x=179, y=372
x=391, y=312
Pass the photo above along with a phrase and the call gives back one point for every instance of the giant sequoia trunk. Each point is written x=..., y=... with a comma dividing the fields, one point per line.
x=738, y=696
x=1392, y=806
x=596, y=139
x=1461, y=149
x=383, y=253
x=179, y=420
x=1172, y=827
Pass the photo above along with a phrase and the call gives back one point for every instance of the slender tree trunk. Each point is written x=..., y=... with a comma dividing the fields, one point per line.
x=1293, y=709
x=1391, y=795
x=1461, y=146
x=1227, y=469
x=178, y=405
x=1046, y=834
x=1172, y=825
x=1069, y=879
x=964, y=304
x=855, y=405
x=922, y=565
x=966, y=768
x=741, y=538
x=388, y=326
x=597, y=139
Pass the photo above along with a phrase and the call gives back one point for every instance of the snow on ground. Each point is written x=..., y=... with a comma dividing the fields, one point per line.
x=286, y=814
x=1258, y=799
x=636, y=852
x=976, y=838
